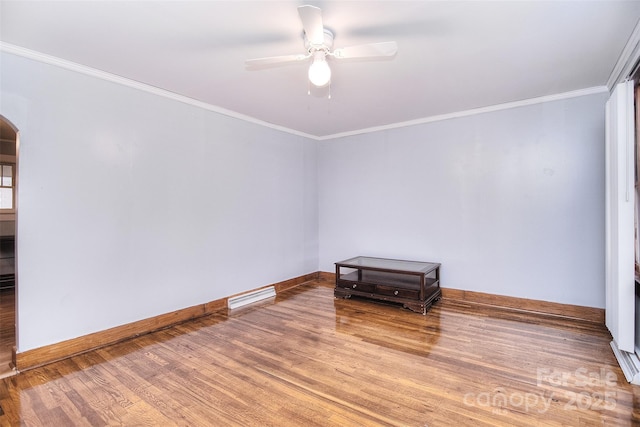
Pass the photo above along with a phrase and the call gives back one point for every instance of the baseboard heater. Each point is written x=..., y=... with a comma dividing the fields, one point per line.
x=629, y=363
x=251, y=297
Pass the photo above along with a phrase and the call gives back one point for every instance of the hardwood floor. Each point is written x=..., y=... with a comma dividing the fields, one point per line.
x=309, y=359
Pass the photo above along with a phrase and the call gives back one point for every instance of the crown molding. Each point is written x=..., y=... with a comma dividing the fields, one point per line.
x=475, y=111
x=628, y=59
x=72, y=66
x=114, y=78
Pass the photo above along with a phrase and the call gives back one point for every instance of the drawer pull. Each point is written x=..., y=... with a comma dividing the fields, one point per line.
x=395, y=292
x=355, y=286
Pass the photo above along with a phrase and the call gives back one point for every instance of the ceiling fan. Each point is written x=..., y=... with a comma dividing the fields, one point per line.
x=318, y=42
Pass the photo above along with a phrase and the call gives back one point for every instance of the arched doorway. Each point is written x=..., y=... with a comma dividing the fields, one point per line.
x=8, y=211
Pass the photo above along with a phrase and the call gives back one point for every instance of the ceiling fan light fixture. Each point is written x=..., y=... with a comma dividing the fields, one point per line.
x=319, y=71
x=318, y=44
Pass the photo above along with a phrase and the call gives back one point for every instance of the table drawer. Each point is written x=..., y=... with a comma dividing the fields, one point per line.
x=398, y=292
x=356, y=286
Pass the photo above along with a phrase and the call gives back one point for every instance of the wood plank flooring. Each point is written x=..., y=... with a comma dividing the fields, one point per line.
x=307, y=359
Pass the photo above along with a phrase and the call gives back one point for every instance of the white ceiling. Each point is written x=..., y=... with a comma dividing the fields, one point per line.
x=452, y=55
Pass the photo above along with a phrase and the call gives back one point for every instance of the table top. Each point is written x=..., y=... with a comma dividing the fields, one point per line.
x=384, y=264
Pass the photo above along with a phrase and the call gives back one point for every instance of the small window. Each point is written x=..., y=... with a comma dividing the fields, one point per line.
x=6, y=186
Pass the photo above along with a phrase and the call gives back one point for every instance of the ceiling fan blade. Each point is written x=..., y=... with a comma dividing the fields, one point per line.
x=311, y=18
x=367, y=50
x=274, y=60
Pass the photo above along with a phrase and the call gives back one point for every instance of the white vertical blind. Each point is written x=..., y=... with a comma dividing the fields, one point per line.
x=620, y=196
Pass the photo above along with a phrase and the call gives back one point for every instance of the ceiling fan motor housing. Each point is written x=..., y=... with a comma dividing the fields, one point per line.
x=326, y=45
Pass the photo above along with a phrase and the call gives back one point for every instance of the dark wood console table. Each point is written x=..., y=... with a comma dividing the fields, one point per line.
x=416, y=285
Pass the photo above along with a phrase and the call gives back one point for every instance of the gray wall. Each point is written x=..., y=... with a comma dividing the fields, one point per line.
x=132, y=205
x=510, y=202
